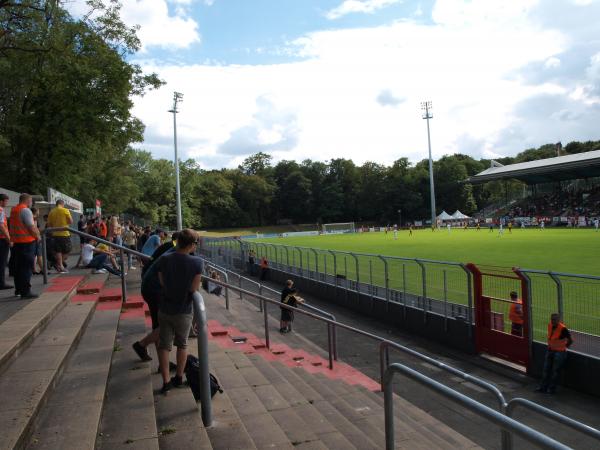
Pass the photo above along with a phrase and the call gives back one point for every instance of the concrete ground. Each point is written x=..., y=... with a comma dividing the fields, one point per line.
x=363, y=354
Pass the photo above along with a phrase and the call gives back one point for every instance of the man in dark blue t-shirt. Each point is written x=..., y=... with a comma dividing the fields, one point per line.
x=180, y=276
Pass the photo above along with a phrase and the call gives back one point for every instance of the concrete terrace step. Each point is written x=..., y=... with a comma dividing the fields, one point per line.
x=128, y=416
x=17, y=332
x=25, y=385
x=71, y=416
x=177, y=417
x=345, y=398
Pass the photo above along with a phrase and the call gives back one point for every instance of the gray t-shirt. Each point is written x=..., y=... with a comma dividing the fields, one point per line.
x=178, y=271
x=2, y=214
x=27, y=217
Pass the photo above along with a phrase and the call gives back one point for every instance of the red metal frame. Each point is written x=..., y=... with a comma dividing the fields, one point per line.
x=493, y=342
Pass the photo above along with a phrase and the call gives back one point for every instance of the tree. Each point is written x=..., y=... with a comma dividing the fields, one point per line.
x=257, y=164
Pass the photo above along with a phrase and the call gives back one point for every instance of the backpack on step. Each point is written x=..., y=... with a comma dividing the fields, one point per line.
x=192, y=374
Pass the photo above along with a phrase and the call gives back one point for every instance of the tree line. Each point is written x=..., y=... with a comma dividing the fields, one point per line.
x=66, y=92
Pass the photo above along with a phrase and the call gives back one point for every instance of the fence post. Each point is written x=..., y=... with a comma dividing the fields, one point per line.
x=404, y=290
x=469, y=300
x=445, y=302
x=424, y=280
x=240, y=286
x=371, y=278
x=335, y=280
x=123, y=281
x=300, y=253
x=45, y=257
x=205, y=397
x=357, y=269
x=386, y=280
x=528, y=304
x=260, y=301
x=266, y=320
x=316, y=263
x=287, y=258
x=559, y=293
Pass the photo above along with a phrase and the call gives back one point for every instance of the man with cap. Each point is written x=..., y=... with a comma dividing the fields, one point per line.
x=4, y=241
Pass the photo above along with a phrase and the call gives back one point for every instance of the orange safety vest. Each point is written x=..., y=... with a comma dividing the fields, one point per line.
x=2, y=235
x=264, y=263
x=103, y=230
x=555, y=343
x=516, y=312
x=19, y=233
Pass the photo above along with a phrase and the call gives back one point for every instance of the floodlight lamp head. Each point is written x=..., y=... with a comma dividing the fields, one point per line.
x=426, y=105
x=177, y=96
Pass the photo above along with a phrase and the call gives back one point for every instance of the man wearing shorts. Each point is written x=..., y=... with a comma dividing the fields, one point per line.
x=60, y=217
x=180, y=275
x=151, y=291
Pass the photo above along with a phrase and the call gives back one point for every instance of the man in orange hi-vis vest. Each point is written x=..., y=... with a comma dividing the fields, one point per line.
x=559, y=339
x=23, y=234
x=516, y=315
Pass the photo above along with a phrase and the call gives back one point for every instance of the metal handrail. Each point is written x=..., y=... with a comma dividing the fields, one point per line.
x=505, y=422
x=384, y=362
x=205, y=394
x=222, y=272
x=560, y=418
x=122, y=251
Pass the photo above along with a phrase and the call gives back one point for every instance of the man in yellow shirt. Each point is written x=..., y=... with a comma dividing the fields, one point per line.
x=60, y=217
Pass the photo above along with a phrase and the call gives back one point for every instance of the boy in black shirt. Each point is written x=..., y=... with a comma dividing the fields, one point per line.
x=288, y=297
x=180, y=275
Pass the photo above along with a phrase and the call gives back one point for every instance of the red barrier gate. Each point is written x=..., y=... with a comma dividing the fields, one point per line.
x=495, y=333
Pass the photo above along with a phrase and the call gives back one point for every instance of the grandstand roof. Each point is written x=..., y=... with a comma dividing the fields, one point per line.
x=569, y=167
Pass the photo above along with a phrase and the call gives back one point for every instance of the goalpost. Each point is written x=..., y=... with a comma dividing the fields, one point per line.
x=336, y=228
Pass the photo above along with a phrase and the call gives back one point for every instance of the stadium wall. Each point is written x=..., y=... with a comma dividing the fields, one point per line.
x=432, y=326
x=581, y=372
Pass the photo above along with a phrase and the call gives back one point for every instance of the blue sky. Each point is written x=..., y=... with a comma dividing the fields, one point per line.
x=325, y=79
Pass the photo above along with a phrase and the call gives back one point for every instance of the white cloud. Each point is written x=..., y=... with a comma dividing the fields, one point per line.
x=552, y=63
x=325, y=106
x=358, y=6
x=157, y=27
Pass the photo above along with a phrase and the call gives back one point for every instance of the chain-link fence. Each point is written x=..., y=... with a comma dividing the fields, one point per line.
x=575, y=297
x=441, y=287
x=432, y=286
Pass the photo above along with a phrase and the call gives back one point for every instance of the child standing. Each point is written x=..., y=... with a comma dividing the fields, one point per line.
x=288, y=297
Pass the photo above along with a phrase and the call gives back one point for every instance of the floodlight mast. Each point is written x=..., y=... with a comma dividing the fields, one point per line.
x=177, y=97
x=427, y=114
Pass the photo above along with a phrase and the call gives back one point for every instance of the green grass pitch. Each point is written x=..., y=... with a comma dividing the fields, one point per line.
x=560, y=250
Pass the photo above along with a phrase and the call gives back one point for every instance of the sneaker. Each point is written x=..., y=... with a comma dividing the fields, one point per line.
x=141, y=351
x=282, y=330
x=29, y=296
x=100, y=271
x=166, y=387
x=177, y=381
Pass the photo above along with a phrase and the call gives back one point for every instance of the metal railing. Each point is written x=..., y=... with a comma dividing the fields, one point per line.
x=205, y=394
x=500, y=417
x=560, y=418
x=441, y=287
x=122, y=251
x=384, y=363
x=331, y=331
x=506, y=423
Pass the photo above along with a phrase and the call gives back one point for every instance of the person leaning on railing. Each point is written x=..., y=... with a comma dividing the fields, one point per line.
x=559, y=339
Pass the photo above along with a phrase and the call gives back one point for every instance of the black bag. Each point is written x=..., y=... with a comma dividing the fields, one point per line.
x=192, y=374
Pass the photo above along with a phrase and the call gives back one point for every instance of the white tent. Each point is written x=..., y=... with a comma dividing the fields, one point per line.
x=458, y=215
x=444, y=216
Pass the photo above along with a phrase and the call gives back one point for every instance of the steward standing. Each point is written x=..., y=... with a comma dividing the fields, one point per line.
x=23, y=234
x=559, y=339
x=516, y=315
x=60, y=217
x=4, y=242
